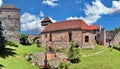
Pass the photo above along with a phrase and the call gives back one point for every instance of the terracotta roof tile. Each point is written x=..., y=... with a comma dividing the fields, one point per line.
x=46, y=19
x=69, y=24
x=8, y=6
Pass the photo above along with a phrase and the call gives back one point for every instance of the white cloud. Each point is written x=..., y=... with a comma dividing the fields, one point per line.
x=72, y=18
x=1, y=2
x=32, y=23
x=41, y=14
x=53, y=20
x=78, y=1
x=96, y=10
x=51, y=3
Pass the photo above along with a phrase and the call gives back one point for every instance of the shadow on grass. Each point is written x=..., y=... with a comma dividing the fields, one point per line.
x=117, y=48
x=7, y=52
x=1, y=66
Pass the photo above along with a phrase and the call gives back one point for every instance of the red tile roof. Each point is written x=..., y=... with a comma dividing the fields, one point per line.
x=46, y=19
x=69, y=24
x=8, y=6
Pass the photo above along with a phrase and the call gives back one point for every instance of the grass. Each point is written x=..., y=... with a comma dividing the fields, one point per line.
x=98, y=58
x=89, y=51
x=107, y=59
x=17, y=60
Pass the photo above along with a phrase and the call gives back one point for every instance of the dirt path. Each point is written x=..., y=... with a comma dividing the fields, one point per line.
x=101, y=50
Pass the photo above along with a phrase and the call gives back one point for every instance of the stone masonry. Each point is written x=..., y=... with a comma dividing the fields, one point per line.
x=10, y=19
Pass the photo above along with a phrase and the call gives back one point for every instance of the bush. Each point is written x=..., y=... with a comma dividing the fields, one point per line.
x=11, y=43
x=58, y=50
x=38, y=43
x=64, y=65
x=24, y=39
x=73, y=53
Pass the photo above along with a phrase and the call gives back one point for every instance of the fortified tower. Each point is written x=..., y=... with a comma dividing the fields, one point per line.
x=46, y=21
x=10, y=19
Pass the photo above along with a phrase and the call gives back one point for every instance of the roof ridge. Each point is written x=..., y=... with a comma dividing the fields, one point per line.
x=8, y=6
x=69, y=24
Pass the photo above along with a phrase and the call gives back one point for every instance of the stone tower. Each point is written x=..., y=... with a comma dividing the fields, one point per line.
x=45, y=22
x=10, y=19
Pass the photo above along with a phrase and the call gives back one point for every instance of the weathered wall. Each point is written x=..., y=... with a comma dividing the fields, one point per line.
x=61, y=39
x=58, y=40
x=10, y=19
x=77, y=37
x=45, y=39
x=33, y=36
x=91, y=43
x=114, y=37
x=62, y=36
x=101, y=37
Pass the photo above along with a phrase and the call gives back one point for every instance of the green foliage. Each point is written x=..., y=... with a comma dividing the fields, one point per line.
x=117, y=28
x=23, y=39
x=58, y=50
x=38, y=43
x=11, y=43
x=35, y=39
x=73, y=53
x=64, y=65
x=2, y=38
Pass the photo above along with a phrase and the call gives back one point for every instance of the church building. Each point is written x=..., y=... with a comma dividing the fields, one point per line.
x=59, y=34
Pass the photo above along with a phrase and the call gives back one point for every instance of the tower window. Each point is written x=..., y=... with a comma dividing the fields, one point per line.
x=86, y=38
x=70, y=36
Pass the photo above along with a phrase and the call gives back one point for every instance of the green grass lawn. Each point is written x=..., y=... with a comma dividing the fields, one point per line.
x=17, y=59
x=100, y=58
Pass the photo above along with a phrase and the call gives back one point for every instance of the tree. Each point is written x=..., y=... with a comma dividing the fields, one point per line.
x=24, y=39
x=2, y=38
x=73, y=53
x=117, y=28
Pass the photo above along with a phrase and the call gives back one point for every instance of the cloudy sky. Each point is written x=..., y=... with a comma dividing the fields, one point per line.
x=106, y=13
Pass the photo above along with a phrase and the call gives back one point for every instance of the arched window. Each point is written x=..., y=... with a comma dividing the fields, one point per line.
x=86, y=38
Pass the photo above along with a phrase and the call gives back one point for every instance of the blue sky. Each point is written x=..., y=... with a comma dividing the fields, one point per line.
x=106, y=13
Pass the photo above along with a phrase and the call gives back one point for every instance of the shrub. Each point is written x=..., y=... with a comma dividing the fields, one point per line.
x=64, y=65
x=58, y=50
x=11, y=43
x=38, y=43
x=73, y=53
x=24, y=39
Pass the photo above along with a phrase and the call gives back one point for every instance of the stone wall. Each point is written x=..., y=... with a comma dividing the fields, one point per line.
x=33, y=36
x=62, y=39
x=58, y=40
x=77, y=37
x=10, y=19
x=113, y=36
x=91, y=42
x=101, y=37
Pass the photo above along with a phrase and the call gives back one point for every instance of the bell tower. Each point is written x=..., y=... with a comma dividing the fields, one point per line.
x=46, y=21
